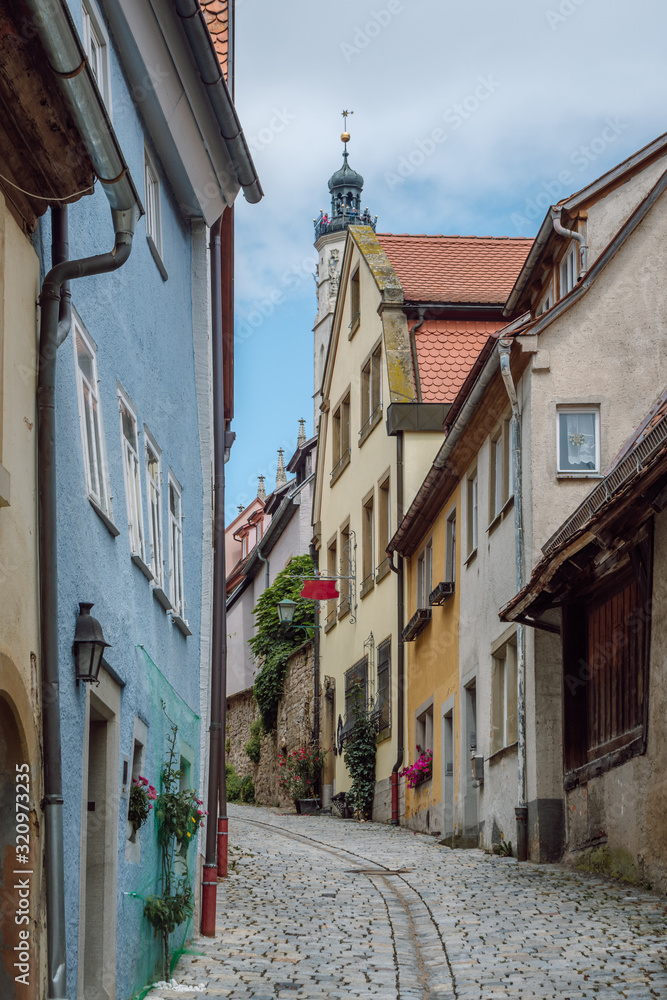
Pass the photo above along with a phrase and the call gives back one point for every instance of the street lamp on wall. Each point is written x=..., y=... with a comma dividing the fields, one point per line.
x=286, y=609
x=89, y=645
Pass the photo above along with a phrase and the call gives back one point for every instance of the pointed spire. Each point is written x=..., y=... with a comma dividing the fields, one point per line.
x=281, y=475
x=261, y=492
x=301, y=440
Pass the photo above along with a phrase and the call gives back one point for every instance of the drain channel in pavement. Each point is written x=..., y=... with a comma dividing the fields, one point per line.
x=377, y=871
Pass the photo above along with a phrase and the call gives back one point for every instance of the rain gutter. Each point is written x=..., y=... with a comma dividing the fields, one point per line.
x=203, y=50
x=68, y=62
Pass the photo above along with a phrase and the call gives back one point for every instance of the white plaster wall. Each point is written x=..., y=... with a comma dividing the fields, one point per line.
x=607, y=216
x=608, y=349
x=486, y=582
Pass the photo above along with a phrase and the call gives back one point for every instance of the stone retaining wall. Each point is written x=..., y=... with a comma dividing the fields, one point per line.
x=294, y=727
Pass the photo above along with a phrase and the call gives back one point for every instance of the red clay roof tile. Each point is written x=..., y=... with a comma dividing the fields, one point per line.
x=216, y=13
x=446, y=351
x=471, y=269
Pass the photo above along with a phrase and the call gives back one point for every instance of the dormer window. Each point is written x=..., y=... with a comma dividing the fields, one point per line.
x=546, y=302
x=568, y=271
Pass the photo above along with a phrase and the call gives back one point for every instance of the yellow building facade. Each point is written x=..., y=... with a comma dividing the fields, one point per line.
x=432, y=707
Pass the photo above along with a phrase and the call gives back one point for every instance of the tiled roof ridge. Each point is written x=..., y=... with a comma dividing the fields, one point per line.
x=454, y=236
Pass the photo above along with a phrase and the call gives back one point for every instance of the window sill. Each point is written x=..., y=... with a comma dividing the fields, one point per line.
x=499, y=755
x=366, y=586
x=384, y=734
x=423, y=781
x=104, y=517
x=370, y=425
x=161, y=598
x=635, y=747
x=382, y=570
x=138, y=561
x=157, y=258
x=344, y=610
x=5, y=481
x=470, y=558
x=330, y=621
x=579, y=475
x=355, y=323
x=340, y=468
x=181, y=624
x=500, y=516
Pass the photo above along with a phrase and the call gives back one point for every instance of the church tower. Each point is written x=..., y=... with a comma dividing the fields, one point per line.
x=345, y=187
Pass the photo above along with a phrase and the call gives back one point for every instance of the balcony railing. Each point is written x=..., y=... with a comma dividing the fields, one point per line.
x=325, y=224
x=340, y=465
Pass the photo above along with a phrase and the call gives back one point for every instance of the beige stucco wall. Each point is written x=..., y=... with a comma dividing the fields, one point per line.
x=610, y=349
x=607, y=215
x=343, y=646
x=19, y=621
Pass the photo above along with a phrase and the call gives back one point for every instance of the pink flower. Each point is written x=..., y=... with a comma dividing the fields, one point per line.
x=199, y=812
x=206, y=812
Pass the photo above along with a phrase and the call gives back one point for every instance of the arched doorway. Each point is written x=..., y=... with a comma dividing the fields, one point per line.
x=16, y=890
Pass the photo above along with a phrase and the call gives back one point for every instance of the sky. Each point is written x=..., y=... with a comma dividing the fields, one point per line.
x=469, y=118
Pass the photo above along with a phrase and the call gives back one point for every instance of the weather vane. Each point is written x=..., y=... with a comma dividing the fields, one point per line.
x=346, y=135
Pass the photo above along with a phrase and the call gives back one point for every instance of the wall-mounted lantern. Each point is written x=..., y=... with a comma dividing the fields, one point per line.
x=89, y=645
x=286, y=609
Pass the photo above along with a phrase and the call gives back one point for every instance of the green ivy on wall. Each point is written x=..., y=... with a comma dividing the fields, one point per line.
x=276, y=642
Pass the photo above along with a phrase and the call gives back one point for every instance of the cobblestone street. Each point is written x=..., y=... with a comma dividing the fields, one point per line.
x=316, y=907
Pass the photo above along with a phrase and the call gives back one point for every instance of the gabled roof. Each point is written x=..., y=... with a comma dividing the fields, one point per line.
x=456, y=269
x=446, y=351
x=580, y=201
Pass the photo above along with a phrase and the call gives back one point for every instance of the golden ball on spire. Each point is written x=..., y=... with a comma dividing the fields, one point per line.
x=345, y=137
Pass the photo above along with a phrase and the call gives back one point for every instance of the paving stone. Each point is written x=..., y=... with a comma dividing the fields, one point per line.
x=295, y=922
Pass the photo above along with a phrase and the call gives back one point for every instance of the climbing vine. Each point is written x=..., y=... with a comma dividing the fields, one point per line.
x=179, y=814
x=360, y=750
x=275, y=642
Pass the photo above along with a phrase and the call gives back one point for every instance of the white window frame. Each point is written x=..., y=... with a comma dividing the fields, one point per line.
x=504, y=710
x=567, y=271
x=425, y=574
x=546, y=302
x=154, y=500
x=176, y=583
x=153, y=197
x=572, y=411
x=472, y=512
x=95, y=34
x=450, y=547
x=132, y=478
x=94, y=450
x=500, y=470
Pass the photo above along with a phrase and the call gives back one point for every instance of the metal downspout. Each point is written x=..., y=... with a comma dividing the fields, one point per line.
x=521, y=811
x=573, y=235
x=264, y=560
x=219, y=638
x=413, y=349
x=395, y=820
x=315, y=556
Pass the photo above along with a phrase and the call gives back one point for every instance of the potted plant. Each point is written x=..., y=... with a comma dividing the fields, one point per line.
x=142, y=796
x=300, y=772
x=421, y=770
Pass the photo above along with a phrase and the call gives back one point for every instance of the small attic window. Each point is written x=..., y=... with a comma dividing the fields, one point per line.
x=354, y=302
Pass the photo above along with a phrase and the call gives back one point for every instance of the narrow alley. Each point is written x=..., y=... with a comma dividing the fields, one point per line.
x=317, y=908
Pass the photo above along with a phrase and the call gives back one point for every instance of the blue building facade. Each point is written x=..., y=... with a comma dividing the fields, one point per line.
x=134, y=459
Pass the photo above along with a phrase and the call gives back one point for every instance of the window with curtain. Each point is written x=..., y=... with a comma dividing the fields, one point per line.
x=578, y=441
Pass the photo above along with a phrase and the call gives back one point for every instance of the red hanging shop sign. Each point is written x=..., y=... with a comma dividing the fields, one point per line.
x=319, y=590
